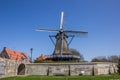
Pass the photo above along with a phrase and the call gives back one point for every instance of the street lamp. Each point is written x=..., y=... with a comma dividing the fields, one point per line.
x=31, y=50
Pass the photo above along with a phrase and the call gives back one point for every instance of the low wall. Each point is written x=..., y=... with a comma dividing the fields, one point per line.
x=14, y=68
x=70, y=69
x=8, y=67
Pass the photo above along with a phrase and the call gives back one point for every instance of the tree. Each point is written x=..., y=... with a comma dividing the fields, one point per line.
x=118, y=66
x=113, y=58
x=99, y=59
x=77, y=53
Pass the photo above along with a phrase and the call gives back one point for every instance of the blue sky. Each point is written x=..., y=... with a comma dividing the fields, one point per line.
x=101, y=18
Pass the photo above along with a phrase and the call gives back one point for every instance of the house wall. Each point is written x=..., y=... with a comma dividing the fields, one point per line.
x=4, y=54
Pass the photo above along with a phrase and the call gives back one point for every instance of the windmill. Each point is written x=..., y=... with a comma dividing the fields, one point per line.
x=61, y=51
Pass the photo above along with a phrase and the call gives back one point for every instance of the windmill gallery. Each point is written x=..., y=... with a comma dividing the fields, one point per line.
x=61, y=55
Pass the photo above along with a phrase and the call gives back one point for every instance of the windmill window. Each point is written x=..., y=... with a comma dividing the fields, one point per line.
x=5, y=56
x=22, y=58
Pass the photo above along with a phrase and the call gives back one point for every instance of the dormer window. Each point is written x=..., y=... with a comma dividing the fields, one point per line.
x=22, y=58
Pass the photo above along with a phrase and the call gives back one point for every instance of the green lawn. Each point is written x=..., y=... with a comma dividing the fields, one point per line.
x=101, y=77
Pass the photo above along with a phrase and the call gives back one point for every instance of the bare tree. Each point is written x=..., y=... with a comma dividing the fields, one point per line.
x=118, y=66
x=99, y=59
x=113, y=58
x=77, y=53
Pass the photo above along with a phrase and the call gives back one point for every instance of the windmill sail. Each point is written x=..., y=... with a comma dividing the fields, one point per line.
x=46, y=30
x=75, y=31
x=62, y=20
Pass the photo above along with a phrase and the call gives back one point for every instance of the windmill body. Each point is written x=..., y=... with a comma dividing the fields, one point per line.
x=61, y=51
x=64, y=48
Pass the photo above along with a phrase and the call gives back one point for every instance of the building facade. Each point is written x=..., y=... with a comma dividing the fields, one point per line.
x=14, y=55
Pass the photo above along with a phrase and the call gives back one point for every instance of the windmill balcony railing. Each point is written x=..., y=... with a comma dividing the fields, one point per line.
x=63, y=56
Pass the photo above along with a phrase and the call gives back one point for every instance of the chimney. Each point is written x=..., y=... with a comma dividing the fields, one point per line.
x=4, y=48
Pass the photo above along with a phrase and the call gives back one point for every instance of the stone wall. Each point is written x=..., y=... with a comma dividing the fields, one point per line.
x=36, y=69
x=105, y=68
x=13, y=68
x=8, y=67
x=71, y=69
x=58, y=70
x=81, y=69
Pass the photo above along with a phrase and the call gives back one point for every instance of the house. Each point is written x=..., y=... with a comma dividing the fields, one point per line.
x=14, y=55
x=42, y=57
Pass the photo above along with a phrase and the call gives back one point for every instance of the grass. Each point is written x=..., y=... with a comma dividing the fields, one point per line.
x=101, y=77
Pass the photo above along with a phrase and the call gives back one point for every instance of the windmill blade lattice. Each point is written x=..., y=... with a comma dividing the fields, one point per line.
x=46, y=30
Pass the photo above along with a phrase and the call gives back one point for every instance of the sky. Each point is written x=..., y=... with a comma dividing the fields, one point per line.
x=100, y=18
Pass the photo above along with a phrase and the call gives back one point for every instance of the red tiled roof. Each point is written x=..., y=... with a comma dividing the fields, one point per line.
x=42, y=57
x=15, y=55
